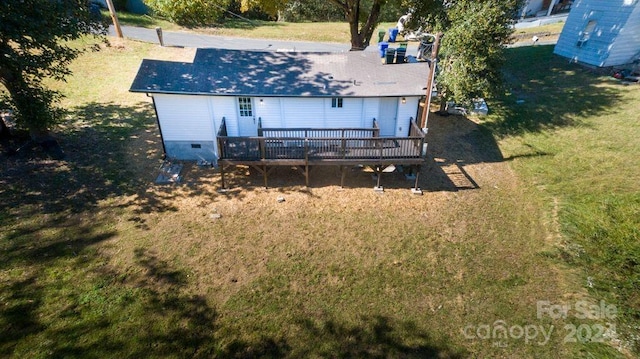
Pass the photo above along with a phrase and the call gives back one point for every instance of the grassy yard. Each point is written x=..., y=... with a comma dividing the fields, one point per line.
x=100, y=262
x=573, y=133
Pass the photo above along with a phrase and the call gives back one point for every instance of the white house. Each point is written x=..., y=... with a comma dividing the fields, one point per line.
x=286, y=90
x=534, y=8
x=601, y=33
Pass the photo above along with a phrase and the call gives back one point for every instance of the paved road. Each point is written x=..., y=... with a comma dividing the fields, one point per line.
x=190, y=39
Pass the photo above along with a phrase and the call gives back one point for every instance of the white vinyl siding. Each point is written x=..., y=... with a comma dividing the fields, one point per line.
x=184, y=118
x=225, y=106
x=627, y=43
x=406, y=111
x=349, y=115
x=370, y=107
x=269, y=110
x=303, y=112
x=614, y=39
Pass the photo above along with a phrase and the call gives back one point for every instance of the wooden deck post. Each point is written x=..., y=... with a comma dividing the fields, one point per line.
x=263, y=149
x=222, y=175
x=416, y=189
x=378, y=171
x=306, y=160
x=306, y=175
x=342, y=173
x=266, y=175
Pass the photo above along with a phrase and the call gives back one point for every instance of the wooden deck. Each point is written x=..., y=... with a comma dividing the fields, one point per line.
x=304, y=147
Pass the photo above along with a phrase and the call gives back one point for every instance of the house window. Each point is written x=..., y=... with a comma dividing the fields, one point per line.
x=244, y=105
x=586, y=33
x=336, y=102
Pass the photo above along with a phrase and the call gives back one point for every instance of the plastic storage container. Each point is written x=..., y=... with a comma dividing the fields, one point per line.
x=393, y=33
x=400, y=55
x=391, y=54
x=382, y=48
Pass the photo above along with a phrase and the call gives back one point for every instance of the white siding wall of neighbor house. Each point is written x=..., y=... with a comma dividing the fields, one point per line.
x=532, y=7
x=187, y=127
x=627, y=44
x=611, y=41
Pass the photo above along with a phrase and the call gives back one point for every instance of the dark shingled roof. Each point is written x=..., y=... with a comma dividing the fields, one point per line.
x=261, y=73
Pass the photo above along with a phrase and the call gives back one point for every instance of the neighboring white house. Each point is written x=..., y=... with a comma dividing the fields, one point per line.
x=534, y=8
x=278, y=90
x=132, y=6
x=601, y=33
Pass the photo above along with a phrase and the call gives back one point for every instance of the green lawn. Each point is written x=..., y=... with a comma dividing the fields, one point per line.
x=574, y=136
x=100, y=262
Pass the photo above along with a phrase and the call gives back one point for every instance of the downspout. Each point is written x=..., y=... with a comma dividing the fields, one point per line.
x=551, y=6
x=164, y=150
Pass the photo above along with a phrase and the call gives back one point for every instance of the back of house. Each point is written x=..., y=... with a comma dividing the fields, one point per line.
x=251, y=90
x=601, y=33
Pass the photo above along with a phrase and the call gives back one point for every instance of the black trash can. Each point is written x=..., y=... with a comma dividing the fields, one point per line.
x=391, y=54
x=400, y=55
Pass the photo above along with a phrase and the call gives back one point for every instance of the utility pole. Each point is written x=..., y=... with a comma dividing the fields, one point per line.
x=114, y=17
x=430, y=79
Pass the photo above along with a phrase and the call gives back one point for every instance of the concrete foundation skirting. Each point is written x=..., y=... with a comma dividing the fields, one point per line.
x=191, y=150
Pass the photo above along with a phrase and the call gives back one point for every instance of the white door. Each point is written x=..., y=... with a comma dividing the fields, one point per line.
x=247, y=123
x=388, y=116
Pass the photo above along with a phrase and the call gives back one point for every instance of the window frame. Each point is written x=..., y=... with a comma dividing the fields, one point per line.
x=245, y=107
x=337, y=102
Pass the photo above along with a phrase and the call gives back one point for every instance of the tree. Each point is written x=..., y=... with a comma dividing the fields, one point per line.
x=472, y=49
x=362, y=16
x=362, y=23
x=34, y=37
x=189, y=13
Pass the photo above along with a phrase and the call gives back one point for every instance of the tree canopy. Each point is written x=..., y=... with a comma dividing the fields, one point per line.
x=475, y=35
x=362, y=15
x=34, y=37
x=189, y=13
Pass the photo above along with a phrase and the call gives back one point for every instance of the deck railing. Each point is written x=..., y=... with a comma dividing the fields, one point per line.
x=320, y=144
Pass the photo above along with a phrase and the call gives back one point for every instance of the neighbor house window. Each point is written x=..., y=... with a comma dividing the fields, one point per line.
x=586, y=33
x=336, y=102
x=244, y=105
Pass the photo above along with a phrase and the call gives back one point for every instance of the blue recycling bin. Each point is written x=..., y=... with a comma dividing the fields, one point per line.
x=382, y=48
x=393, y=33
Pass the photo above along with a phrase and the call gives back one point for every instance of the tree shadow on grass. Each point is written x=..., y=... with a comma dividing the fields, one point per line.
x=377, y=337
x=61, y=296
x=456, y=142
x=103, y=159
x=546, y=91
